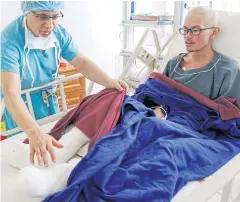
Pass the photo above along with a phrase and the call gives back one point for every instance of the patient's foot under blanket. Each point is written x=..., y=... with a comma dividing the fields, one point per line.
x=145, y=158
x=40, y=182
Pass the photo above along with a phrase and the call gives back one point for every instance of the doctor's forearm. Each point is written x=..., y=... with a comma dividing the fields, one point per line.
x=20, y=113
x=91, y=71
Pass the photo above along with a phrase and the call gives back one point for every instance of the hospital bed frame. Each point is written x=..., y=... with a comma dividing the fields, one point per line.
x=60, y=81
x=222, y=179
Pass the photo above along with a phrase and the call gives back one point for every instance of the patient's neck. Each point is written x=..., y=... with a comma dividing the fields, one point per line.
x=203, y=55
x=198, y=59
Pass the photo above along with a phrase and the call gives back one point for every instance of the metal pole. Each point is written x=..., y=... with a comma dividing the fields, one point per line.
x=125, y=17
x=62, y=93
x=29, y=103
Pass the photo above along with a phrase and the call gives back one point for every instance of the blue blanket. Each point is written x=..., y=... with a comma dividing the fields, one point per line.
x=145, y=158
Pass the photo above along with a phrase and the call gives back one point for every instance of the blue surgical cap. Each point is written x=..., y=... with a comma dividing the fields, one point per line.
x=28, y=6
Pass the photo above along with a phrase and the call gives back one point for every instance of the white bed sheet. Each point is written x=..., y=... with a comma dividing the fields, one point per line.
x=11, y=190
x=191, y=186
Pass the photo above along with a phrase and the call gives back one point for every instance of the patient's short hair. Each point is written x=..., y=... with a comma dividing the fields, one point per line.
x=210, y=14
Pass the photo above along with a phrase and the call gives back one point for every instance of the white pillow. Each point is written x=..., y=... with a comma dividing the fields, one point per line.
x=228, y=40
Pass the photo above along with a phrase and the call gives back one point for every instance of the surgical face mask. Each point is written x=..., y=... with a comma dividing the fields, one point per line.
x=42, y=43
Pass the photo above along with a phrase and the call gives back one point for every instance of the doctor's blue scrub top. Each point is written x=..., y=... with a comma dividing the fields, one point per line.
x=43, y=66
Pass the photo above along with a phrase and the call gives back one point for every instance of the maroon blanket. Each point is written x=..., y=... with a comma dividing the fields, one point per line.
x=95, y=116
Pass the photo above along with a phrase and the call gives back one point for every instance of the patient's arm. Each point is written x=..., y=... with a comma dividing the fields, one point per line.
x=230, y=85
x=159, y=113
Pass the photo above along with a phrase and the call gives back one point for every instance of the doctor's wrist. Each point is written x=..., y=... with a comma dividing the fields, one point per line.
x=33, y=131
x=109, y=83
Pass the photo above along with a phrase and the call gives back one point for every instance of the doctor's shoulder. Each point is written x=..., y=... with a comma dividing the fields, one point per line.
x=14, y=32
x=62, y=34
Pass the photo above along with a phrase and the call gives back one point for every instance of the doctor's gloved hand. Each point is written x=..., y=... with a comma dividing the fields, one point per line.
x=40, y=145
x=118, y=84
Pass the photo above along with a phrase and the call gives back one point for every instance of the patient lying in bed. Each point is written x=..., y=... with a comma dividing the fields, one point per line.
x=202, y=68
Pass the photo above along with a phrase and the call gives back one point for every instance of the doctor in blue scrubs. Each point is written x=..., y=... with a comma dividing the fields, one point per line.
x=31, y=48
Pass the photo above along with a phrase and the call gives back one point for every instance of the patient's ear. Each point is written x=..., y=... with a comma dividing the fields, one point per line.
x=216, y=32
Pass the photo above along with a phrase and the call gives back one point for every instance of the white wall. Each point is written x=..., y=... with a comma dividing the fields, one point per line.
x=94, y=27
x=10, y=10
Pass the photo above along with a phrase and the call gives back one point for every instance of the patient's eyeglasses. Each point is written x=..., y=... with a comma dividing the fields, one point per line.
x=193, y=31
x=44, y=17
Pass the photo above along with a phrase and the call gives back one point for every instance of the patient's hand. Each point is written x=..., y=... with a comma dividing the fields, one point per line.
x=159, y=113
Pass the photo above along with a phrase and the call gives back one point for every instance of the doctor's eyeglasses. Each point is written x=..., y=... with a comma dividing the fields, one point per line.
x=193, y=31
x=44, y=17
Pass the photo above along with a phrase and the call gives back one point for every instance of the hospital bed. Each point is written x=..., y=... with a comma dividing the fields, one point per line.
x=222, y=186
